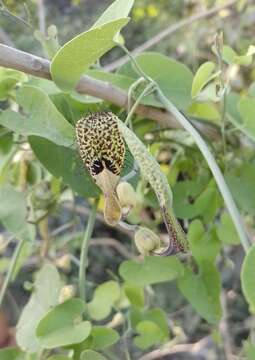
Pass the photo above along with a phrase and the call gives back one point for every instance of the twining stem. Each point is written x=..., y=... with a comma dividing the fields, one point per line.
x=137, y=67
x=11, y=269
x=84, y=250
x=131, y=90
x=226, y=194
x=137, y=102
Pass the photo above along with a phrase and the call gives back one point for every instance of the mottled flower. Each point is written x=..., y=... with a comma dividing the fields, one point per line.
x=102, y=150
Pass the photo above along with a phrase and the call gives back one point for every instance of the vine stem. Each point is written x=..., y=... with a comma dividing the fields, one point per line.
x=219, y=178
x=84, y=250
x=10, y=272
x=137, y=102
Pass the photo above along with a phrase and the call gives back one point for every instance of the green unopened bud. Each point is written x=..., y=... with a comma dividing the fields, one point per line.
x=127, y=197
x=146, y=241
x=64, y=262
x=67, y=292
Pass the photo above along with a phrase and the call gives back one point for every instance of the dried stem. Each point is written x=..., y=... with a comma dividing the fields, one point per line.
x=36, y=66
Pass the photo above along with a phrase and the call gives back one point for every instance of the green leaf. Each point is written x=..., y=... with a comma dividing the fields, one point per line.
x=91, y=355
x=244, y=195
x=118, y=9
x=150, y=334
x=47, y=86
x=63, y=325
x=103, y=337
x=87, y=48
x=46, y=291
x=104, y=298
x=13, y=209
x=13, y=212
x=229, y=54
x=226, y=230
x=246, y=109
x=208, y=203
x=247, y=278
x=119, y=80
x=195, y=198
x=12, y=354
x=173, y=78
x=204, y=111
x=203, y=76
x=203, y=291
x=156, y=315
x=210, y=93
x=205, y=246
x=63, y=162
x=42, y=117
x=242, y=121
x=151, y=271
x=135, y=295
x=8, y=80
x=231, y=57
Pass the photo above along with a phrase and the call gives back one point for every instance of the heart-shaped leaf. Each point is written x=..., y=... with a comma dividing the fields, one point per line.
x=152, y=270
x=150, y=334
x=63, y=326
x=200, y=293
x=45, y=295
x=104, y=297
x=103, y=337
x=173, y=78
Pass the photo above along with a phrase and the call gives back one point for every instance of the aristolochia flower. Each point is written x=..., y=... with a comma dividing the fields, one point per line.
x=102, y=150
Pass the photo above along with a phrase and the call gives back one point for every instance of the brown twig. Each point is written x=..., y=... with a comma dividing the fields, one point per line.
x=37, y=66
x=112, y=243
x=168, y=31
x=193, y=348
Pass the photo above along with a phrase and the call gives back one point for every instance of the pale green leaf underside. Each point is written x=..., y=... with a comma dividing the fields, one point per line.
x=118, y=9
x=76, y=56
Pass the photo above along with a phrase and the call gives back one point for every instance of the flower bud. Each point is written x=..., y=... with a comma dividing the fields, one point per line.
x=67, y=292
x=64, y=262
x=117, y=320
x=127, y=197
x=146, y=241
